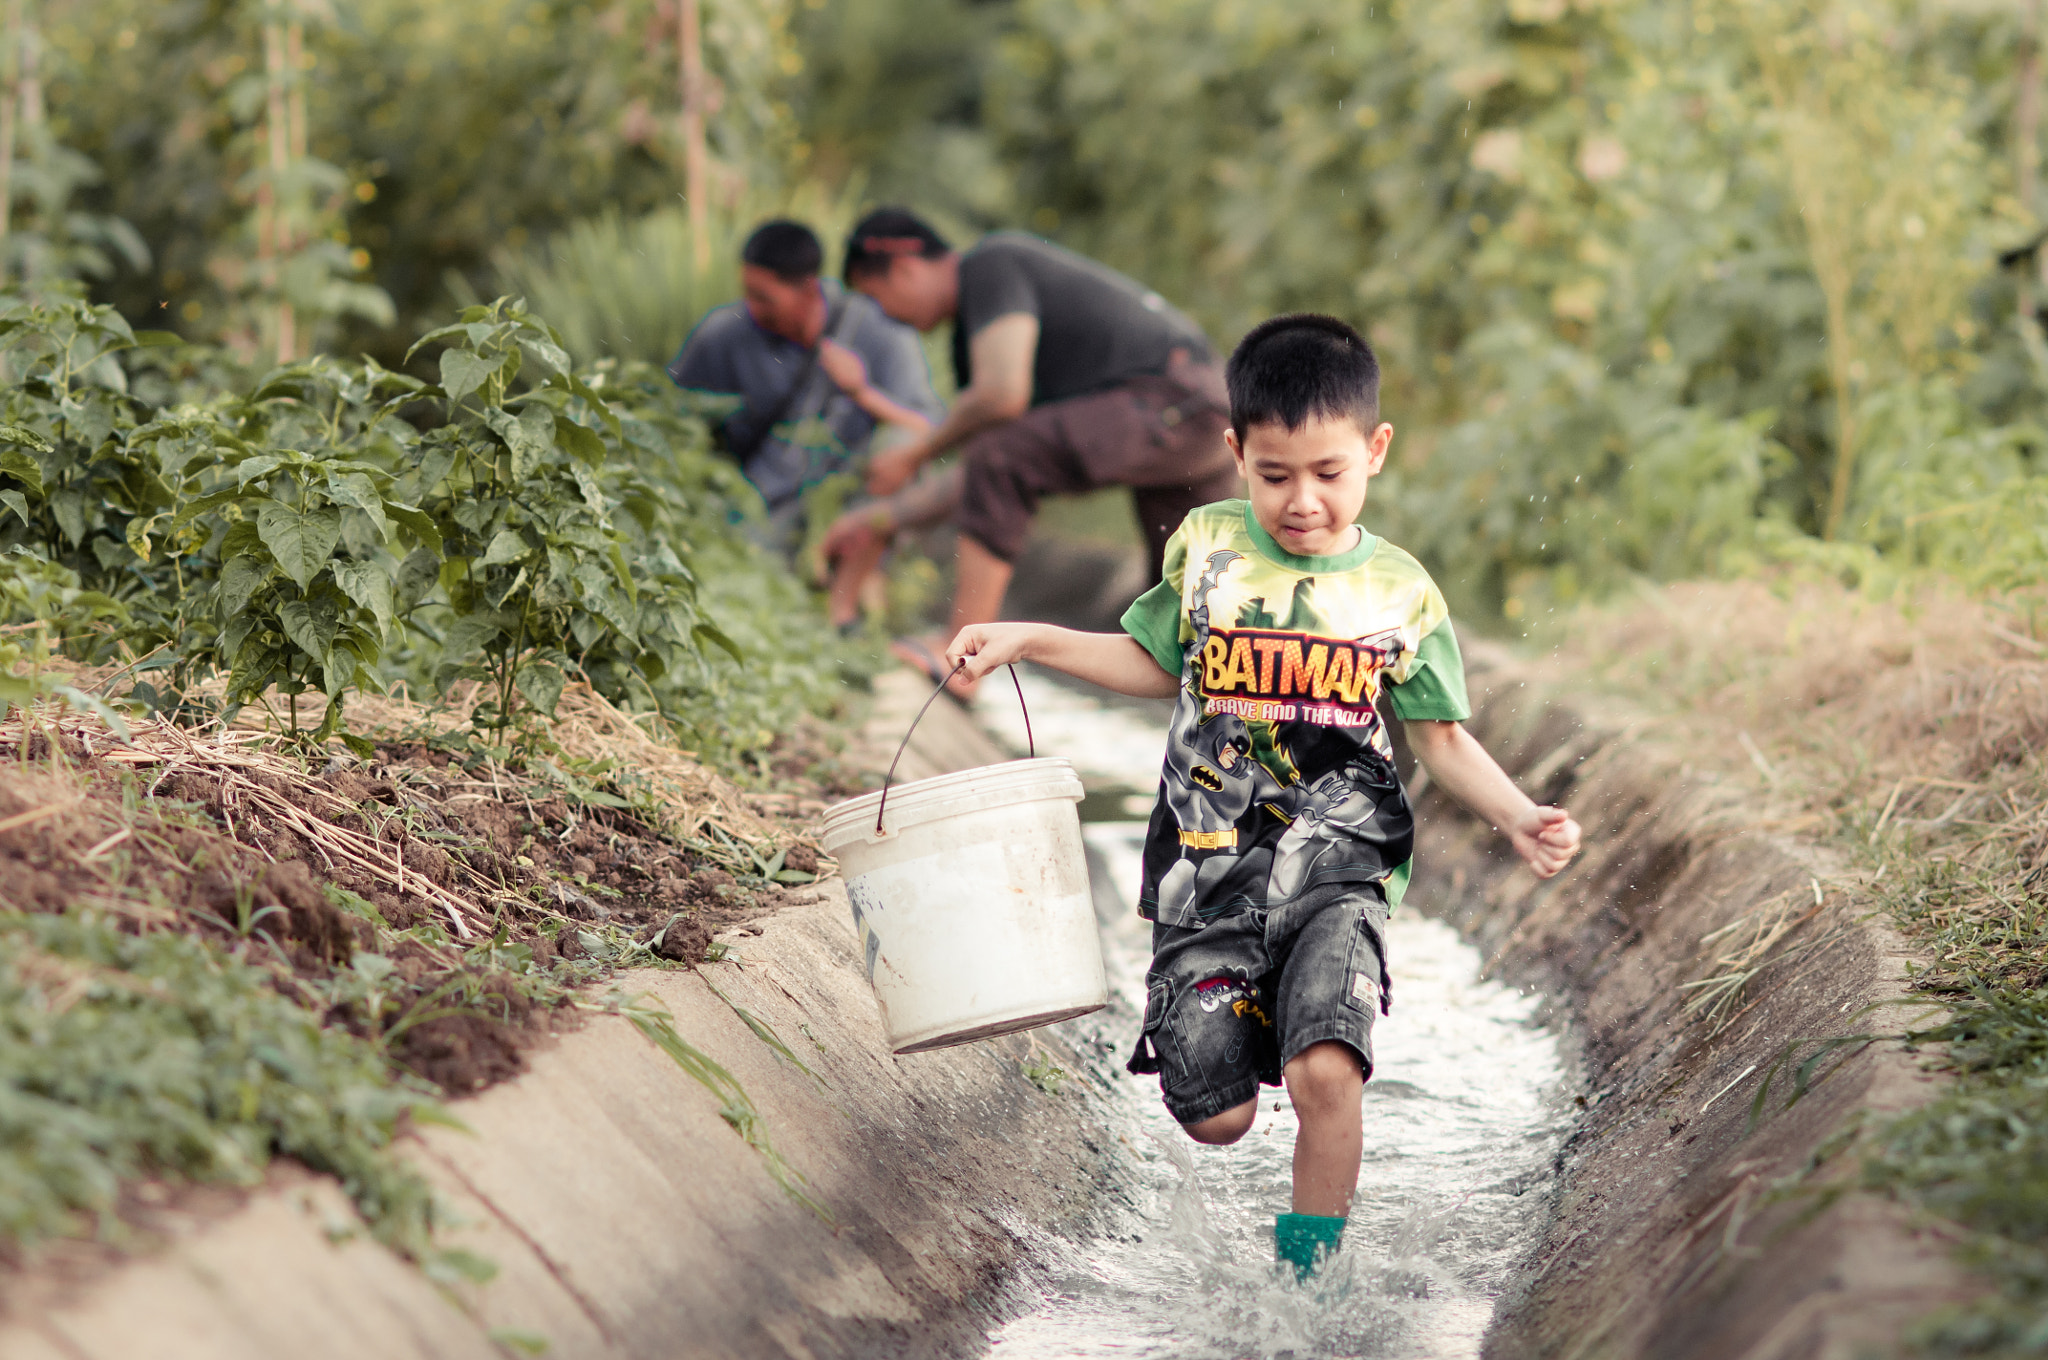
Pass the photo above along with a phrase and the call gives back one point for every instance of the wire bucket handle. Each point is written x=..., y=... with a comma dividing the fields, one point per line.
x=1030, y=743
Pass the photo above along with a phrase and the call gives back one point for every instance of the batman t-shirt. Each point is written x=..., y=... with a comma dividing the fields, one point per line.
x=1279, y=774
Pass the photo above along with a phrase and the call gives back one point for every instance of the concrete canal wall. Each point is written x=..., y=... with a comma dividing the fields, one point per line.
x=1681, y=1231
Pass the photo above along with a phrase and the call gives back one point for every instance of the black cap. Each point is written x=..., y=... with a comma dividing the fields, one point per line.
x=887, y=233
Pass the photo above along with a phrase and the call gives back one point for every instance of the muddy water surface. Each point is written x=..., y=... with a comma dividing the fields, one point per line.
x=1468, y=1105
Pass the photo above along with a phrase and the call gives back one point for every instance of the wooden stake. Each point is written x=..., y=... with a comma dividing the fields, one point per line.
x=32, y=112
x=272, y=235
x=690, y=74
x=10, y=98
x=2026, y=144
x=295, y=85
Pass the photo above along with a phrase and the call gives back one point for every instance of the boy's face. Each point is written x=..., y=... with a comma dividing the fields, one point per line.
x=1308, y=485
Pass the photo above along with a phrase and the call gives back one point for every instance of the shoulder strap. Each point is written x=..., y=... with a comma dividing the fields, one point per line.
x=781, y=410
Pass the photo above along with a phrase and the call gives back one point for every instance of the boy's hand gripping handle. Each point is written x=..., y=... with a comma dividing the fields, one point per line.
x=1030, y=744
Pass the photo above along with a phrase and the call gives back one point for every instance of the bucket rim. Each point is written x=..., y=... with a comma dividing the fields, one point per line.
x=855, y=818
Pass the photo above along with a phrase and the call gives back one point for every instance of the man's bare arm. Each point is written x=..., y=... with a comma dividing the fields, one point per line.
x=850, y=375
x=1001, y=356
x=1114, y=661
x=1545, y=837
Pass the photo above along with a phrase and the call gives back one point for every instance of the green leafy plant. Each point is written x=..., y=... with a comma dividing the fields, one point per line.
x=313, y=557
x=41, y=607
x=71, y=483
x=540, y=582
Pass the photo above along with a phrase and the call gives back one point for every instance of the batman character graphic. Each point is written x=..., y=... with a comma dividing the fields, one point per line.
x=1209, y=782
x=1349, y=820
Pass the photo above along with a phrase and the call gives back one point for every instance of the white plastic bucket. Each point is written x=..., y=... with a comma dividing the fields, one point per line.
x=972, y=902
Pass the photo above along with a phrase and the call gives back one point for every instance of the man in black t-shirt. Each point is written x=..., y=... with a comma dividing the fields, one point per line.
x=1072, y=377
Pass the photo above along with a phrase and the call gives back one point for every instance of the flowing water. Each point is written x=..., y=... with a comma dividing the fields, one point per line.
x=1470, y=1099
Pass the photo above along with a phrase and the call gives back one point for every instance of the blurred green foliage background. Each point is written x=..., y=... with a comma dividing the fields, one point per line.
x=1663, y=287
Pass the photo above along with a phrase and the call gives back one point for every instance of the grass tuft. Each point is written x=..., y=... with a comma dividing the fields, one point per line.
x=124, y=1055
x=1910, y=734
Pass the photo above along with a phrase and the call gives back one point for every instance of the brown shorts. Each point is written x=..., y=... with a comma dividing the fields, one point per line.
x=1161, y=436
x=929, y=501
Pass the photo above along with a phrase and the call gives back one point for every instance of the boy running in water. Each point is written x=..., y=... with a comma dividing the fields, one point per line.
x=1281, y=837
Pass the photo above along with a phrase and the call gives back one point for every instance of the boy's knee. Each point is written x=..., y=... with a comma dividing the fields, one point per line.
x=1228, y=1127
x=1329, y=1074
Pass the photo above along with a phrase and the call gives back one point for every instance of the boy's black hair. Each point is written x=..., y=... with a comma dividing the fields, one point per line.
x=886, y=233
x=789, y=250
x=1301, y=366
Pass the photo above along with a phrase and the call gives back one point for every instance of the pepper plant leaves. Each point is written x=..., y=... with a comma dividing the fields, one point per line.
x=301, y=542
x=542, y=685
x=420, y=524
x=463, y=372
x=530, y=436
x=475, y=631
x=310, y=627
x=415, y=577
x=19, y=465
x=712, y=633
x=507, y=546
x=68, y=507
x=239, y=581
x=262, y=465
x=366, y=584
x=584, y=444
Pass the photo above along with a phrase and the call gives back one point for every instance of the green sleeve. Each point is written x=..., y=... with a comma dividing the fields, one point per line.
x=1154, y=620
x=1435, y=688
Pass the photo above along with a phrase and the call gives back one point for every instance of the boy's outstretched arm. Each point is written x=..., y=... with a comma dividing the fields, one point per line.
x=1545, y=837
x=1112, y=660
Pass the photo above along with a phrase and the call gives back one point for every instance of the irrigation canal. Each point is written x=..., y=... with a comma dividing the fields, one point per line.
x=1467, y=1109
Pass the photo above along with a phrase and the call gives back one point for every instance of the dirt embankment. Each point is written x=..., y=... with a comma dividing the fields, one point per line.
x=1690, y=947
x=800, y=1193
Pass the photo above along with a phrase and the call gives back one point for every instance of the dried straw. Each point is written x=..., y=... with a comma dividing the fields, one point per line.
x=250, y=778
x=635, y=751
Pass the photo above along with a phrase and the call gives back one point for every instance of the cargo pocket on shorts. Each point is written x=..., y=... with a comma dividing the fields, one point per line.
x=1370, y=986
x=1145, y=1057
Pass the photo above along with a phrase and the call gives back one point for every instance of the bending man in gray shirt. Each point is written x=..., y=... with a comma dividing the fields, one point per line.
x=1072, y=377
x=817, y=368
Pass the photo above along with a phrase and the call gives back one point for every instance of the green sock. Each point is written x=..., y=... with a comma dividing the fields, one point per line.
x=1305, y=1241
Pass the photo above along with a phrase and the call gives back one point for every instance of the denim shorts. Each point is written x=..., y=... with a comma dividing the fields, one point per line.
x=1227, y=1006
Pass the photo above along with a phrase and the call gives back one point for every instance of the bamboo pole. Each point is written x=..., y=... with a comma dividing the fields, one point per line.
x=295, y=65
x=690, y=76
x=2026, y=141
x=271, y=232
x=10, y=101
x=32, y=111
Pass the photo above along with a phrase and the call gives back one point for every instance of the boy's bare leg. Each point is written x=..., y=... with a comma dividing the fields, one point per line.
x=1326, y=1082
x=1233, y=1124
